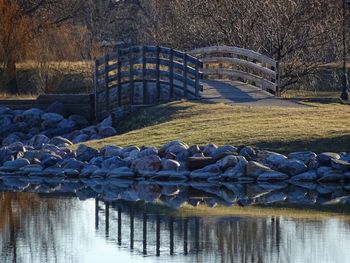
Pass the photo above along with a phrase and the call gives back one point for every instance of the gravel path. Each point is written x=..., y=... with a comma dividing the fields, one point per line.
x=235, y=92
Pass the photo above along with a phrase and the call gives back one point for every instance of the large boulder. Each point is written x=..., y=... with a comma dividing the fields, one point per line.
x=212, y=170
x=73, y=164
x=292, y=167
x=209, y=149
x=85, y=153
x=51, y=120
x=17, y=164
x=6, y=155
x=247, y=152
x=170, y=165
x=106, y=122
x=255, y=169
x=106, y=131
x=326, y=157
x=150, y=163
x=174, y=147
x=60, y=141
x=306, y=157
x=224, y=150
x=227, y=162
x=10, y=139
x=38, y=141
x=238, y=171
x=80, y=138
x=340, y=165
x=113, y=162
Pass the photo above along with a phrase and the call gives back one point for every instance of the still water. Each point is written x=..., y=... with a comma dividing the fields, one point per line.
x=49, y=228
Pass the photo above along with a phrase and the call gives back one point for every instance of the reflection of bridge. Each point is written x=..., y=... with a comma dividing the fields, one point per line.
x=181, y=235
x=144, y=75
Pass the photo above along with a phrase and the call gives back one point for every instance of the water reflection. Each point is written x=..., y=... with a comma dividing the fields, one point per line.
x=45, y=228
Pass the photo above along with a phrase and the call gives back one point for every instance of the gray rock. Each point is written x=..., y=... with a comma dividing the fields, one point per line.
x=51, y=119
x=332, y=176
x=38, y=141
x=107, y=121
x=194, y=149
x=56, y=107
x=88, y=170
x=60, y=141
x=305, y=157
x=238, y=171
x=273, y=176
x=79, y=120
x=80, y=138
x=148, y=151
x=6, y=155
x=32, y=168
x=151, y=163
x=174, y=147
x=274, y=159
x=106, y=131
x=73, y=164
x=248, y=152
x=67, y=125
x=134, y=154
x=110, y=151
x=85, y=153
x=209, y=149
x=17, y=147
x=224, y=149
x=121, y=172
x=17, y=164
x=255, y=169
x=33, y=113
x=292, y=167
x=113, y=162
x=170, y=165
x=227, y=162
x=4, y=110
x=340, y=165
x=206, y=172
x=306, y=177
x=12, y=138
x=325, y=158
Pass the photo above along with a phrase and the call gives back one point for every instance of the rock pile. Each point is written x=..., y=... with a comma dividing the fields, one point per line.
x=36, y=128
x=173, y=161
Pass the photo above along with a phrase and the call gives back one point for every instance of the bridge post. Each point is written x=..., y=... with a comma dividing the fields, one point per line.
x=97, y=65
x=158, y=73
x=197, y=77
x=119, y=226
x=171, y=74
x=131, y=76
x=144, y=75
x=185, y=76
x=106, y=81
x=277, y=79
x=119, y=79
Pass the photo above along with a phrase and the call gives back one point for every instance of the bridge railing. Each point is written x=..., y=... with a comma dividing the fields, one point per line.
x=144, y=75
x=248, y=66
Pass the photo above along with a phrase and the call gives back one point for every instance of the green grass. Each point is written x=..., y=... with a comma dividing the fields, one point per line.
x=319, y=127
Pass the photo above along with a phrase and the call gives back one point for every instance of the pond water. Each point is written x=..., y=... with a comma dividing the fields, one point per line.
x=38, y=227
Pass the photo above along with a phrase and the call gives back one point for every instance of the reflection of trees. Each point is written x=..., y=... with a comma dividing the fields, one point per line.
x=29, y=221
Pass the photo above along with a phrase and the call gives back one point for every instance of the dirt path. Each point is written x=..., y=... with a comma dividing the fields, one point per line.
x=235, y=92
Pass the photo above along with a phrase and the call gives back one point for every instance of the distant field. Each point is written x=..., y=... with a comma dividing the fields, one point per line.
x=319, y=127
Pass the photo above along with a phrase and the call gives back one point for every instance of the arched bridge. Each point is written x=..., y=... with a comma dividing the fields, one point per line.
x=144, y=75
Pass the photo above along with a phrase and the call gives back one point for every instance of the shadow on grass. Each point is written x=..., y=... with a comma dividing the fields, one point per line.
x=336, y=144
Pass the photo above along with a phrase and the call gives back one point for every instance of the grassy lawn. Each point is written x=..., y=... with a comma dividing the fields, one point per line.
x=310, y=94
x=319, y=127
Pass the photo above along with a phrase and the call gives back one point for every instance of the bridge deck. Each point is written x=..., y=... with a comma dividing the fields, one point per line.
x=235, y=92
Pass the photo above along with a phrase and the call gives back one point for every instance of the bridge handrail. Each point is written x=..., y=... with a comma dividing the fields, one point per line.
x=160, y=65
x=259, y=69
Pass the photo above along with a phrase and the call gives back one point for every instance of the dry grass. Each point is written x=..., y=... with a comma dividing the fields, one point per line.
x=310, y=94
x=319, y=127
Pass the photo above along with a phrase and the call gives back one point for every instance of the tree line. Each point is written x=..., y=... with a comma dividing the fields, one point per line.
x=301, y=35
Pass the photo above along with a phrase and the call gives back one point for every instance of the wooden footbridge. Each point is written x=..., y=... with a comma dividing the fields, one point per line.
x=145, y=75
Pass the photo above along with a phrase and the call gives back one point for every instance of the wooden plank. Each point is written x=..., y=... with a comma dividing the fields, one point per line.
x=197, y=77
x=158, y=73
x=235, y=50
x=119, y=80
x=131, y=78
x=107, y=81
x=241, y=74
x=144, y=82
x=96, y=85
x=171, y=74
x=185, y=75
x=240, y=62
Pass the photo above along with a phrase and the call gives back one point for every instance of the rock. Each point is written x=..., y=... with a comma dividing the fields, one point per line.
x=56, y=107
x=174, y=147
x=95, y=137
x=89, y=130
x=51, y=119
x=247, y=152
x=67, y=125
x=305, y=157
x=6, y=155
x=33, y=113
x=209, y=149
x=133, y=154
x=274, y=159
x=255, y=169
x=113, y=162
x=273, y=176
x=12, y=138
x=110, y=150
x=98, y=160
x=206, y=172
x=340, y=165
x=306, y=177
x=332, y=176
x=85, y=153
x=195, y=163
x=107, y=121
x=226, y=149
x=73, y=164
x=60, y=141
x=16, y=147
x=227, y=162
x=194, y=149
x=38, y=141
x=148, y=151
x=32, y=168
x=121, y=172
x=79, y=120
x=50, y=161
x=325, y=158
x=292, y=167
x=238, y=170
x=17, y=164
x=270, y=198
x=106, y=131
x=88, y=170
x=80, y=138
x=151, y=163
x=170, y=165
x=4, y=110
